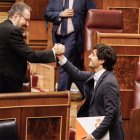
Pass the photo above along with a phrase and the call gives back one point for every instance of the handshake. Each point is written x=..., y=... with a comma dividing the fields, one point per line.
x=58, y=49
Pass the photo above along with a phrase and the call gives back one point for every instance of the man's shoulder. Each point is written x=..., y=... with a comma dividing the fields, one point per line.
x=109, y=76
x=7, y=25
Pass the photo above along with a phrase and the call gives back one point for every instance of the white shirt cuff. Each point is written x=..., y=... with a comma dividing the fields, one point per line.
x=63, y=61
x=54, y=53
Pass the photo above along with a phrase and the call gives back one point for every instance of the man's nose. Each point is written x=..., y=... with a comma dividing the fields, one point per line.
x=89, y=56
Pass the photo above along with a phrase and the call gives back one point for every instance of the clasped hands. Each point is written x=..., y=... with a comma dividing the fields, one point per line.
x=58, y=49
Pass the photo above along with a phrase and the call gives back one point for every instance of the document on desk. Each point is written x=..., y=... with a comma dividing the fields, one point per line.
x=86, y=125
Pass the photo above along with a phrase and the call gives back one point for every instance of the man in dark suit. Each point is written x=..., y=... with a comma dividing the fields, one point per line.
x=100, y=90
x=14, y=52
x=72, y=12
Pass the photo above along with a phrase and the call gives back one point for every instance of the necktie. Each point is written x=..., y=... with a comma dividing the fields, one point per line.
x=64, y=21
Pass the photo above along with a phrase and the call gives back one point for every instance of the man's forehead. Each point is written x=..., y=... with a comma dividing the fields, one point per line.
x=26, y=12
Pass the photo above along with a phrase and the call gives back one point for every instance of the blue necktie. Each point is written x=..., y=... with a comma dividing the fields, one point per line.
x=64, y=21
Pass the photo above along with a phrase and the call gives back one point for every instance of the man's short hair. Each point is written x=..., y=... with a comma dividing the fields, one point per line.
x=106, y=53
x=19, y=8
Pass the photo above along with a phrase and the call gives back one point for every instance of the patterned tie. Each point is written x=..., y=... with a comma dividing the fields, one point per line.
x=64, y=21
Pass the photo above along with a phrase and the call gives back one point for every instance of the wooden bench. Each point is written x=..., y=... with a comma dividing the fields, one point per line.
x=42, y=115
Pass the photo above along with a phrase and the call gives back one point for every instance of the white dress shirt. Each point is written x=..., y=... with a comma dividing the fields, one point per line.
x=97, y=75
x=70, y=27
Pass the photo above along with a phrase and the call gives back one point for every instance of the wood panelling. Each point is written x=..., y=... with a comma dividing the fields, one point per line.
x=99, y=4
x=124, y=70
x=37, y=30
x=45, y=75
x=37, y=35
x=38, y=8
x=3, y=16
x=135, y=124
x=51, y=127
x=7, y=0
x=126, y=103
x=131, y=22
x=117, y=39
x=14, y=113
x=40, y=35
x=126, y=106
x=33, y=110
x=120, y=3
x=5, y=6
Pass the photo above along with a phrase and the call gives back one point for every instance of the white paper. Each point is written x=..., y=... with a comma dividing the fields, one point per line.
x=91, y=123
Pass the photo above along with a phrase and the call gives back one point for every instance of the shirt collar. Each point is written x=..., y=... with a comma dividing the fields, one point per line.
x=98, y=74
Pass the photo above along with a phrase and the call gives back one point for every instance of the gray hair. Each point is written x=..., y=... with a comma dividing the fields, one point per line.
x=19, y=8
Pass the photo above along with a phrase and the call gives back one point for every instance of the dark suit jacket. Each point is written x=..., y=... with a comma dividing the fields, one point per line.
x=80, y=9
x=14, y=52
x=104, y=100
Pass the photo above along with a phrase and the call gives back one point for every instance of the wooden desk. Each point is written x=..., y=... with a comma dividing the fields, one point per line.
x=38, y=115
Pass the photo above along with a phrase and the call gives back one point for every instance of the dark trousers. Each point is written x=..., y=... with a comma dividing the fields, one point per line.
x=73, y=55
x=8, y=85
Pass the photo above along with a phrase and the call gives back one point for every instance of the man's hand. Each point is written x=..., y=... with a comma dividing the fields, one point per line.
x=88, y=137
x=59, y=49
x=61, y=57
x=67, y=13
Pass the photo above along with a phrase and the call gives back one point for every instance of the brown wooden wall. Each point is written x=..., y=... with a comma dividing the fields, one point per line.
x=104, y=4
x=38, y=8
x=38, y=116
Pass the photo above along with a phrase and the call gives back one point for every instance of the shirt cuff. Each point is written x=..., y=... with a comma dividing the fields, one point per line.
x=92, y=137
x=61, y=14
x=63, y=61
x=54, y=53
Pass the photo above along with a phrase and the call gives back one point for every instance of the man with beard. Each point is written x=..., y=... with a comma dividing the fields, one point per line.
x=14, y=52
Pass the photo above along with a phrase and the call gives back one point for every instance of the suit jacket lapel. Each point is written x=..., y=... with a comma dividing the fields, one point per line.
x=89, y=85
x=97, y=85
x=90, y=78
x=74, y=3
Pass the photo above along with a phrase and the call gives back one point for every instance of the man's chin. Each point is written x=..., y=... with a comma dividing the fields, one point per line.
x=90, y=66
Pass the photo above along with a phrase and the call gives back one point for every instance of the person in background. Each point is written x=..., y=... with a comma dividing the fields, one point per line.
x=100, y=90
x=14, y=52
x=68, y=18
